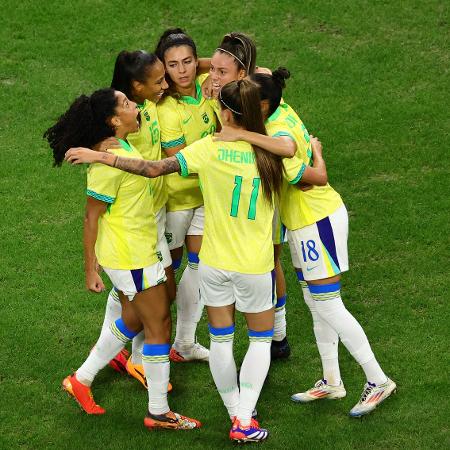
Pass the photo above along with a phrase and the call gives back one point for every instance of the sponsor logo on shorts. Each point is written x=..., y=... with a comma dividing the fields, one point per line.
x=169, y=237
x=308, y=269
x=159, y=255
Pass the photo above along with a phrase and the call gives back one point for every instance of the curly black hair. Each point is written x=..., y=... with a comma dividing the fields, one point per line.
x=84, y=124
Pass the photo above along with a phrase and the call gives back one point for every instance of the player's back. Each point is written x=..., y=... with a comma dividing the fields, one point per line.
x=238, y=218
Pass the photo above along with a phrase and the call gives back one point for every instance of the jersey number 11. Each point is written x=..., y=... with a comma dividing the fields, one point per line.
x=237, y=196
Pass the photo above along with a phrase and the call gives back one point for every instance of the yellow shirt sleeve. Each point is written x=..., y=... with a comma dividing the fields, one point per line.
x=169, y=121
x=293, y=169
x=195, y=156
x=103, y=182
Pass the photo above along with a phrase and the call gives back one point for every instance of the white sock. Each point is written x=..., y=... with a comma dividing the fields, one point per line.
x=327, y=341
x=330, y=307
x=189, y=307
x=155, y=359
x=253, y=373
x=113, y=309
x=136, y=348
x=110, y=342
x=279, y=326
x=223, y=367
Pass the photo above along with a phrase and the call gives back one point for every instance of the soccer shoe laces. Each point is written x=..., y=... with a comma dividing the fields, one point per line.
x=367, y=391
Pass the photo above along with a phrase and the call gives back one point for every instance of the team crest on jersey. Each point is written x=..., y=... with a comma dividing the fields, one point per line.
x=205, y=118
x=147, y=116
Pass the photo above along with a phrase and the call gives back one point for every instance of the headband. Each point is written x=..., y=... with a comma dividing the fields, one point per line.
x=226, y=106
x=234, y=56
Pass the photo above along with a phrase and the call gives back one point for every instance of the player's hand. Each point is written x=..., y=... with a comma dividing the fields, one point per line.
x=106, y=144
x=316, y=146
x=304, y=186
x=94, y=282
x=227, y=134
x=207, y=88
x=81, y=155
x=265, y=70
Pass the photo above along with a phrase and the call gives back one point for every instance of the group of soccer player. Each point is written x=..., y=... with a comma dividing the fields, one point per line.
x=204, y=154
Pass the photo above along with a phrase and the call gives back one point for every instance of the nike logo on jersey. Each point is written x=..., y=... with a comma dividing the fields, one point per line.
x=308, y=269
x=187, y=120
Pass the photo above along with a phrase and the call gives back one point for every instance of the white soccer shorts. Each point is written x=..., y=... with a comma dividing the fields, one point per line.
x=251, y=293
x=179, y=224
x=130, y=282
x=320, y=249
x=161, y=246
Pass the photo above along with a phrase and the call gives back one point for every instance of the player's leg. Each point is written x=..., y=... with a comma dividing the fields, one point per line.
x=324, y=249
x=254, y=297
x=217, y=293
x=152, y=306
x=113, y=312
x=112, y=339
x=189, y=305
x=280, y=347
x=134, y=364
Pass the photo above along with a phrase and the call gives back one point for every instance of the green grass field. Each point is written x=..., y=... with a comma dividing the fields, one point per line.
x=371, y=79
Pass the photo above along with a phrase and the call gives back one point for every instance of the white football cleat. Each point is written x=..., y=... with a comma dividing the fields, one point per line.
x=320, y=390
x=194, y=352
x=372, y=396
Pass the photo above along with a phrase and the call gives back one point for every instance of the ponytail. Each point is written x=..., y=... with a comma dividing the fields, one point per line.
x=84, y=124
x=271, y=86
x=129, y=67
x=243, y=100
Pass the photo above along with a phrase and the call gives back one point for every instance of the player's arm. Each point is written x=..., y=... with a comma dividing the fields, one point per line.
x=203, y=65
x=149, y=169
x=317, y=174
x=94, y=209
x=171, y=151
x=279, y=145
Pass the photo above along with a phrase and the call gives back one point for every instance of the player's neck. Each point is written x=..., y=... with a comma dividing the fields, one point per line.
x=187, y=91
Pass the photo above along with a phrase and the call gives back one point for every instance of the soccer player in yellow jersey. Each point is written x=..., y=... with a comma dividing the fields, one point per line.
x=141, y=77
x=120, y=235
x=317, y=225
x=185, y=117
x=239, y=184
x=234, y=59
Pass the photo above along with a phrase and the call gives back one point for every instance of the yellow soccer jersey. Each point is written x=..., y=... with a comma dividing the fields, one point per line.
x=299, y=209
x=147, y=141
x=127, y=231
x=184, y=121
x=238, y=219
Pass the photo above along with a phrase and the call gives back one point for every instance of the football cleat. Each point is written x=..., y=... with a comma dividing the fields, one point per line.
x=372, y=396
x=320, y=390
x=170, y=421
x=252, y=433
x=137, y=371
x=194, y=352
x=119, y=362
x=280, y=349
x=82, y=394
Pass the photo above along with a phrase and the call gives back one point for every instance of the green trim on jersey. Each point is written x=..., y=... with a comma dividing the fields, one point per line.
x=125, y=145
x=174, y=143
x=299, y=175
x=274, y=116
x=283, y=133
x=101, y=197
x=184, y=172
x=191, y=100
